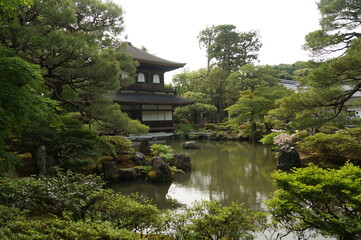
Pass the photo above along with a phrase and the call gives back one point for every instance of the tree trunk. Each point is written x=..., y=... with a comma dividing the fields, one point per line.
x=57, y=92
x=220, y=102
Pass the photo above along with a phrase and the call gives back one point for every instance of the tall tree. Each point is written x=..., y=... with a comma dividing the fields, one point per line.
x=75, y=44
x=206, y=39
x=227, y=49
x=21, y=102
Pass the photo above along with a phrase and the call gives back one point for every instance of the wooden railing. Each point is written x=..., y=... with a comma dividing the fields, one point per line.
x=149, y=87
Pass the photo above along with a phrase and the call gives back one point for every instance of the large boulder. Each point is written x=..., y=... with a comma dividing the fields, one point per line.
x=127, y=174
x=139, y=158
x=160, y=172
x=110, y=171
x=144, y=147
x=182, y=161
x=288, y=158
x=190, y=145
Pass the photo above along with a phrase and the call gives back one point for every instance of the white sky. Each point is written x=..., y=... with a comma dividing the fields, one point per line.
x=169, y=28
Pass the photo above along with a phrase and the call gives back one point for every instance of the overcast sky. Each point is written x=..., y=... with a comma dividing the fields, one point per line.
x=169, y=28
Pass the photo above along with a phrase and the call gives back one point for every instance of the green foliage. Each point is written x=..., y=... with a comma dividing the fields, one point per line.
x=337, y=146
x=9, y=8
x=193, y=136
x=21, y=102
x=292, y=71
x=229, y=48
x=325, y=200
x=339, y=26
x=268, y=139
x=300, y=135
x=174, y=169
x=185, y=128
x=209, y=220
x=81, y=59
x=115, y=145
x=64, y=193
x=126, y=212
x=259, y=91
x=163, y=151
x=307, y=111
x=70, y=144
x=76, y=198
x=196, y=113
x=14, y=224
x=147, y=169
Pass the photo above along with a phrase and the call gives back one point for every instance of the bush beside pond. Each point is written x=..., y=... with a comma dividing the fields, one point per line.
x=74, y=206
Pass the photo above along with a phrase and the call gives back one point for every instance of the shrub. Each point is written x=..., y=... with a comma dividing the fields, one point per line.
x=209, y=220
x=126, y=212
x=268, y=139
x=193, y=136
x=325, y=200
x=336, y=146
x=163, y=151
x=300, y=135
x=14, y=224
x=75, y=198
x=186, y=128
x=64, y=193
x=115, y=145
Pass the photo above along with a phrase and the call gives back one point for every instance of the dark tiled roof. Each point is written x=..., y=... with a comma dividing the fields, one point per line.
x=144, y=98
x=147, y=58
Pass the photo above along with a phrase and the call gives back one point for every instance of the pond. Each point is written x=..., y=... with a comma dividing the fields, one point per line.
x=222, y=171
x=226, y=172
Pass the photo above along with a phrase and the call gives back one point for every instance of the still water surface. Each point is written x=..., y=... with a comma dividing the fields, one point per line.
x=222, y=171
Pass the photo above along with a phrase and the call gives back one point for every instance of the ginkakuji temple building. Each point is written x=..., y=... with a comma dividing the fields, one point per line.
x=147, y=100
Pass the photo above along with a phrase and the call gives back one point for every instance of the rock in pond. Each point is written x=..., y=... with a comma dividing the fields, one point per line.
x=161, y=171
x=127, y=174
x=139, y=158
x=190, y=145
x=288, y=158
x=182, y=161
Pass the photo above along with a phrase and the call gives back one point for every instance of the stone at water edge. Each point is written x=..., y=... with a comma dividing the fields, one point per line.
x=162, y=171
x=288, y=158
x=139, y=158
x=127, y=174
x=182, y=161
x=190, y=145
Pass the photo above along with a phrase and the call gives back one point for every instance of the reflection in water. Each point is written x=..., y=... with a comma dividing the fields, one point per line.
x=222, y=171
x=227, y=172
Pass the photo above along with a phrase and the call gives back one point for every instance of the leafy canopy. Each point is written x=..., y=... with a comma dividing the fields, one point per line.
x=325, y=200
x=340, y=22
x=76, y=45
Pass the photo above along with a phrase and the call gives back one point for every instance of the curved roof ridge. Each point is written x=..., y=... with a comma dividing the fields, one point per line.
x=145, y=57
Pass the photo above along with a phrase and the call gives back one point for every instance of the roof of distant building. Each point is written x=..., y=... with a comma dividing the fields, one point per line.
x=146, y=58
